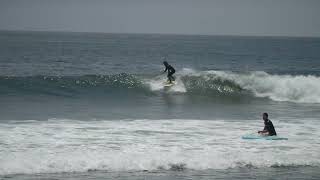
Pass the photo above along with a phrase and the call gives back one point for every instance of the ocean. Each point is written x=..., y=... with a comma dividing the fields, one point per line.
x=93, y=106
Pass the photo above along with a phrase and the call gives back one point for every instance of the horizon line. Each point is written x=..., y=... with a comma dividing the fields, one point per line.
x=155, y=33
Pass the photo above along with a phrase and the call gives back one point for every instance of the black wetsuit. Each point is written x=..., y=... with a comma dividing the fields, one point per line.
x=268, y=126
x=171, y=71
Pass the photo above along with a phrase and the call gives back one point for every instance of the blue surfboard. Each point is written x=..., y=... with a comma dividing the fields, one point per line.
x=256, y=136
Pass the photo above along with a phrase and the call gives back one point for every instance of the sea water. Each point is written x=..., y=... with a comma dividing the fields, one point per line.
x=93, y=106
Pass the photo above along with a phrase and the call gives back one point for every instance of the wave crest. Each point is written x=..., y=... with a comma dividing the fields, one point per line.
x=291, y=88
x=299, y=89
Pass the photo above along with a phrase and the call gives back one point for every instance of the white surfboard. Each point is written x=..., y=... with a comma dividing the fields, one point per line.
x=167, y=84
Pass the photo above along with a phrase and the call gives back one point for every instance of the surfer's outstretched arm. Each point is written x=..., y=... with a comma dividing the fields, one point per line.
x=165, y=70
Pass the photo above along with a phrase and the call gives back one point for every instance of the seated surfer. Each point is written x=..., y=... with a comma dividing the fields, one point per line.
x=268, y=127
x=170, y=70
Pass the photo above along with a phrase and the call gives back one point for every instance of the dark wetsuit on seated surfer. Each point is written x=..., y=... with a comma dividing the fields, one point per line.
x=268, y=127
x=170, y=70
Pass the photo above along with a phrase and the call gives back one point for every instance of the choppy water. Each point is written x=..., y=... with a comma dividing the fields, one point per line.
x=94, y=105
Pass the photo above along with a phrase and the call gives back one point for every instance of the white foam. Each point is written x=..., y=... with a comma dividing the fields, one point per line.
x=302, y=89
x=68, y=145
x=157, y=84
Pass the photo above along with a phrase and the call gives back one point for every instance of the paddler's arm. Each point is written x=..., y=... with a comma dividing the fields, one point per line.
x=263, y=131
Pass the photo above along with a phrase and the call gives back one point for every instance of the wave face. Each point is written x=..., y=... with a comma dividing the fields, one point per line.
x=291, y=88
x=69, y=85
x=61, y=145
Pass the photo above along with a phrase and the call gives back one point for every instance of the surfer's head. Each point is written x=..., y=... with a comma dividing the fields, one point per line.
x=265, y=116
x=165, y=63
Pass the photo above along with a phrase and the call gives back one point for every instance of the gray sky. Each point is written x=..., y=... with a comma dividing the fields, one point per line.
x=221, y=17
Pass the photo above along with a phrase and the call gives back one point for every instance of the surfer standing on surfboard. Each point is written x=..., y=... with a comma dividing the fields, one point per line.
x=170, y=70
x=268, y=127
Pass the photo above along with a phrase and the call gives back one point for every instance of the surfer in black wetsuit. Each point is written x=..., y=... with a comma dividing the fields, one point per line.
x=268, y=127
x=170, y=70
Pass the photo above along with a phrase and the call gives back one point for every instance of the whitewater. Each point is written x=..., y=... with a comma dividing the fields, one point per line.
x=61, y=145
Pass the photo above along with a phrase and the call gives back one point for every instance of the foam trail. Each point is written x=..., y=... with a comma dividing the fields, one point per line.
x=60, y=145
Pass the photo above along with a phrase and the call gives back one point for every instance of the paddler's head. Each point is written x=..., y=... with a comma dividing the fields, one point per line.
x=265, y=116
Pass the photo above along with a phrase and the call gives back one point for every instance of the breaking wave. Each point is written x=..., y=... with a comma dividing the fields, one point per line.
x=291, y=88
